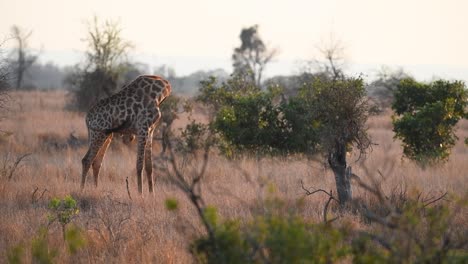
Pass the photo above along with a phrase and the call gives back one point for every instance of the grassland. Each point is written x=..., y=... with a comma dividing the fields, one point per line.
x=140, y=230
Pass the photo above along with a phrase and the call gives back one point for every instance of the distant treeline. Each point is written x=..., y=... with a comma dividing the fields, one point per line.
x=50, y=76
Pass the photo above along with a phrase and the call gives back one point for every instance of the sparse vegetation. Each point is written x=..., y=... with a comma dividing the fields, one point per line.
x=61, y=211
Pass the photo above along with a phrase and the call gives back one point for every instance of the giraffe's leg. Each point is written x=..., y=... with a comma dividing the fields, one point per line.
x=142, y=138
x=96, y=140
x=99, y=157
x=149, y=161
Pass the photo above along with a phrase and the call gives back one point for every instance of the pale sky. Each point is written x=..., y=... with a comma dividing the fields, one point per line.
x=430, y=36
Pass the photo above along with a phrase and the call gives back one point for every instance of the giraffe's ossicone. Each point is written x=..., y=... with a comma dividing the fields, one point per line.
x=134, y=110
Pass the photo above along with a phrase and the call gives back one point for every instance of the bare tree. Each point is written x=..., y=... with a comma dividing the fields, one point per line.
x=252, y=56
x=331, y=60
x=385, y=85
x=107, y=50
x=103, y=70
x=22, y=58
x=4, y=79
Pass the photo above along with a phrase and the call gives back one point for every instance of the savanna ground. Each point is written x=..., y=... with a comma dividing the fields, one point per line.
x=120, y=229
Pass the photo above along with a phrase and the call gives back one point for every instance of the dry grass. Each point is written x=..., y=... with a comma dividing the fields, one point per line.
x=142, y=230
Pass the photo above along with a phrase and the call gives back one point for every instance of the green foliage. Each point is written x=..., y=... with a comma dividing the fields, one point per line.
x=211, y=215
x=245, y=116
x=271, y=238
x=15, y=255
x=425, y=117
x=74, y=239
x=417, y=233
x=249, y=119
x=328, y=115
x=325, y=112
x=251, y=122
x=171, y=204
x=63, y=210
x=193, y=138
x=40, y=248
x=338, y=111
x=218, y=95
x=302, y=127
x=229, y=245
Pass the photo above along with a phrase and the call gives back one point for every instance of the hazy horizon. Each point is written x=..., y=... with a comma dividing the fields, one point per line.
x=425, y=38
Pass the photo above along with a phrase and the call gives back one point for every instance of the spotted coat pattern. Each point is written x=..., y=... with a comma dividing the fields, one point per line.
x=134, y=110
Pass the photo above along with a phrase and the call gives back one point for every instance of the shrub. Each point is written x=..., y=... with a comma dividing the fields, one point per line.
x=425, y=117
x=271, y=238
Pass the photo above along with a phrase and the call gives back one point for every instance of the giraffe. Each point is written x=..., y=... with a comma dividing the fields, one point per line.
x=134, y=110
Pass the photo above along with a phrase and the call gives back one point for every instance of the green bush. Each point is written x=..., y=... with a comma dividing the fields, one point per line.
x=417, y=234
x=63, y=210
x=41, y=253
x=261, y=121
x=414, y=231
x=425, y=118
x=272, y=238
x=252, y=122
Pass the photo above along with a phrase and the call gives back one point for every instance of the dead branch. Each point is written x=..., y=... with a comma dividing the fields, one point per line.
x=327, y=204
x=430, y=201
x=316, y=191
x=193, y=189
x=33, y=196
x=325, y=209
x=375, y=189
x=16, y=164
x=128, y=189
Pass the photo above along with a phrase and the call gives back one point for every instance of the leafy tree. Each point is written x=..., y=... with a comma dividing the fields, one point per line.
x=327, y=115
x=339, y=110
x=106, y=61
x=252, y=56
x=425, y=117
x=22, y=59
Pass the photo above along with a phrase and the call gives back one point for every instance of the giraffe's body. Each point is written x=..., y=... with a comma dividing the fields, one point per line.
x=134, y=110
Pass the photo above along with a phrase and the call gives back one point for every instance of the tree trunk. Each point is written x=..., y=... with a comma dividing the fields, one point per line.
x=337, y=162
